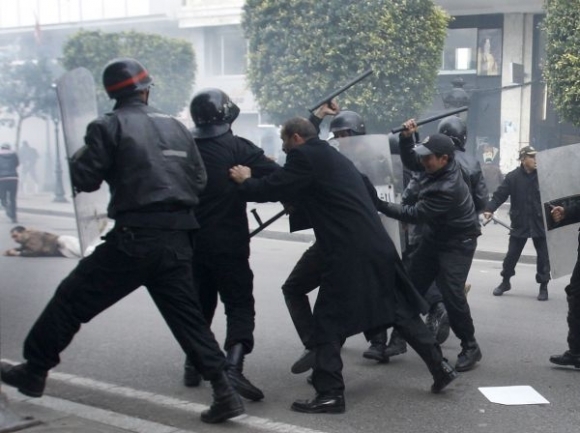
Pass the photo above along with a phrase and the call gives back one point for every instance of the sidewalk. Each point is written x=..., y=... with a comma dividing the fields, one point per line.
x=492, y=245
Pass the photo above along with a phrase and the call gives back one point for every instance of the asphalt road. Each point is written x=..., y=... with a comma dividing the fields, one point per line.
x=127, y=361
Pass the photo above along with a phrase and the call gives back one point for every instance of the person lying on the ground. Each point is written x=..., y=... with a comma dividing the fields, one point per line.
x=35, y=243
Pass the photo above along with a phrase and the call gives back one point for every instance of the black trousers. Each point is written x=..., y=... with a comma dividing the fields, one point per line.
x=327, y=372
x=8, y=192
x=304, y=278
x=129, y=258
x=433, y=294
x=232, y=279
x=515, y=248
x=573, y=297
x=447, y=263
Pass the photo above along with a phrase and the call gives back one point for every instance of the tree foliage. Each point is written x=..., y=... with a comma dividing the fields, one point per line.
x=26, y=91
x=562, y=67
x=170, y=61
x=301, y=51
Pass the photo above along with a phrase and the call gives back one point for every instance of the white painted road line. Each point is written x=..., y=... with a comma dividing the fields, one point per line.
x=130, y=423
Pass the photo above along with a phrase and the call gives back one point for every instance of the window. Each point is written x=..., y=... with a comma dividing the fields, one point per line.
x=489, y=52
x=225, y=51
x=460, y=52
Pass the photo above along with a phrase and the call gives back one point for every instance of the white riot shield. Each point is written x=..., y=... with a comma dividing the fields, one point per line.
x=560, y=185
x=372, y=156
x=78, y=106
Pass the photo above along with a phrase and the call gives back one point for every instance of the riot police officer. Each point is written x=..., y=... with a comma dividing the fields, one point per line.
x=456, y=128
x=221, y=261
x=155, y=174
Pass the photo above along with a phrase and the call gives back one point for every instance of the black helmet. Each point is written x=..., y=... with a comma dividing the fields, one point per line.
x=125, y=76
x=394, y=144
x=348, y=121
x=213, y=112
x=455, y=128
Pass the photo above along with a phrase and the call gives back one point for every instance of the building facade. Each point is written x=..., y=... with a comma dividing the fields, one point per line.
x=492, y=60
x=493, y=56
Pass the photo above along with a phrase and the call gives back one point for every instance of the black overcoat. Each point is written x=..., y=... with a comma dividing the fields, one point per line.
x=523, y=190
x=363, y=285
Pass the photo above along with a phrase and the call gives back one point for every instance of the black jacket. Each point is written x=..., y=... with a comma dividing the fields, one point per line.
x=443, y=202
x=8, y=164
x=150, y=162
x=477, y=185
x=363, y=284
x=525, y=203
x=222, y=211
x=472, y=173
x=443, y=205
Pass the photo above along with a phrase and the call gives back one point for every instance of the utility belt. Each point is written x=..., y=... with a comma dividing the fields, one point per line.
x=178, y=219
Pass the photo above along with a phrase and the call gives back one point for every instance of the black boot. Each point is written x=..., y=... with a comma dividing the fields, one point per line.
x=502, y=288
x=322, y=403
x=239, y=381
x=469, y=356
x=543, y=295
x=443, y=376
x=567, y=358
x=397, y=345
x=191, y=377
x=24, y=378
x=305, y=362
x=438, y=322
x=377, y=348
x=422, y=341
x=226, y=401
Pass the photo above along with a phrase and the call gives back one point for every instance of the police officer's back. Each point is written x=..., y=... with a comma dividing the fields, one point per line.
x=456, y=128
x=154, y=172
x=221, y=261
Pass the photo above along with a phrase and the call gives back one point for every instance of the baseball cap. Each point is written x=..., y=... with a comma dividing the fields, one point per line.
x=436, y=143
x=528, y=150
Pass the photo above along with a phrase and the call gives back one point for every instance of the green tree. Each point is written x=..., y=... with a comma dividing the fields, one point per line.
x=562, y=66
x=301, y=50
x=26, y=91
x=171, y=62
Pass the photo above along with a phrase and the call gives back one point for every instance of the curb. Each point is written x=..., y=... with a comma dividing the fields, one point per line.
x=480, y=255
x=299, y=237
x=46, y=212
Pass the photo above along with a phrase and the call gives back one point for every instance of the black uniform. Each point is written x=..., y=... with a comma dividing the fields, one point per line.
x=526, y=220
x=573, y=292
x=155, y=174
x=222, y=252
x=472, y=168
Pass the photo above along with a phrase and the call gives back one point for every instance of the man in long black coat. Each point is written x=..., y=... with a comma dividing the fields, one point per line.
x=364, y=286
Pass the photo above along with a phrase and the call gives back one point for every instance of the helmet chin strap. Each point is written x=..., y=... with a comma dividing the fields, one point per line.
x=145, y=96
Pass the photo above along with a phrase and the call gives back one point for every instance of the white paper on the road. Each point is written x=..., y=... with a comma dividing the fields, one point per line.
x=513, y=395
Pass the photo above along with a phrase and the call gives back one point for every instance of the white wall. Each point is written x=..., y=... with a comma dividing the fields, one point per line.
x=515, y=103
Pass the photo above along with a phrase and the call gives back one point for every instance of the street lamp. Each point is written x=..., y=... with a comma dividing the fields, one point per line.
x=58, y=186
x=457, y=97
